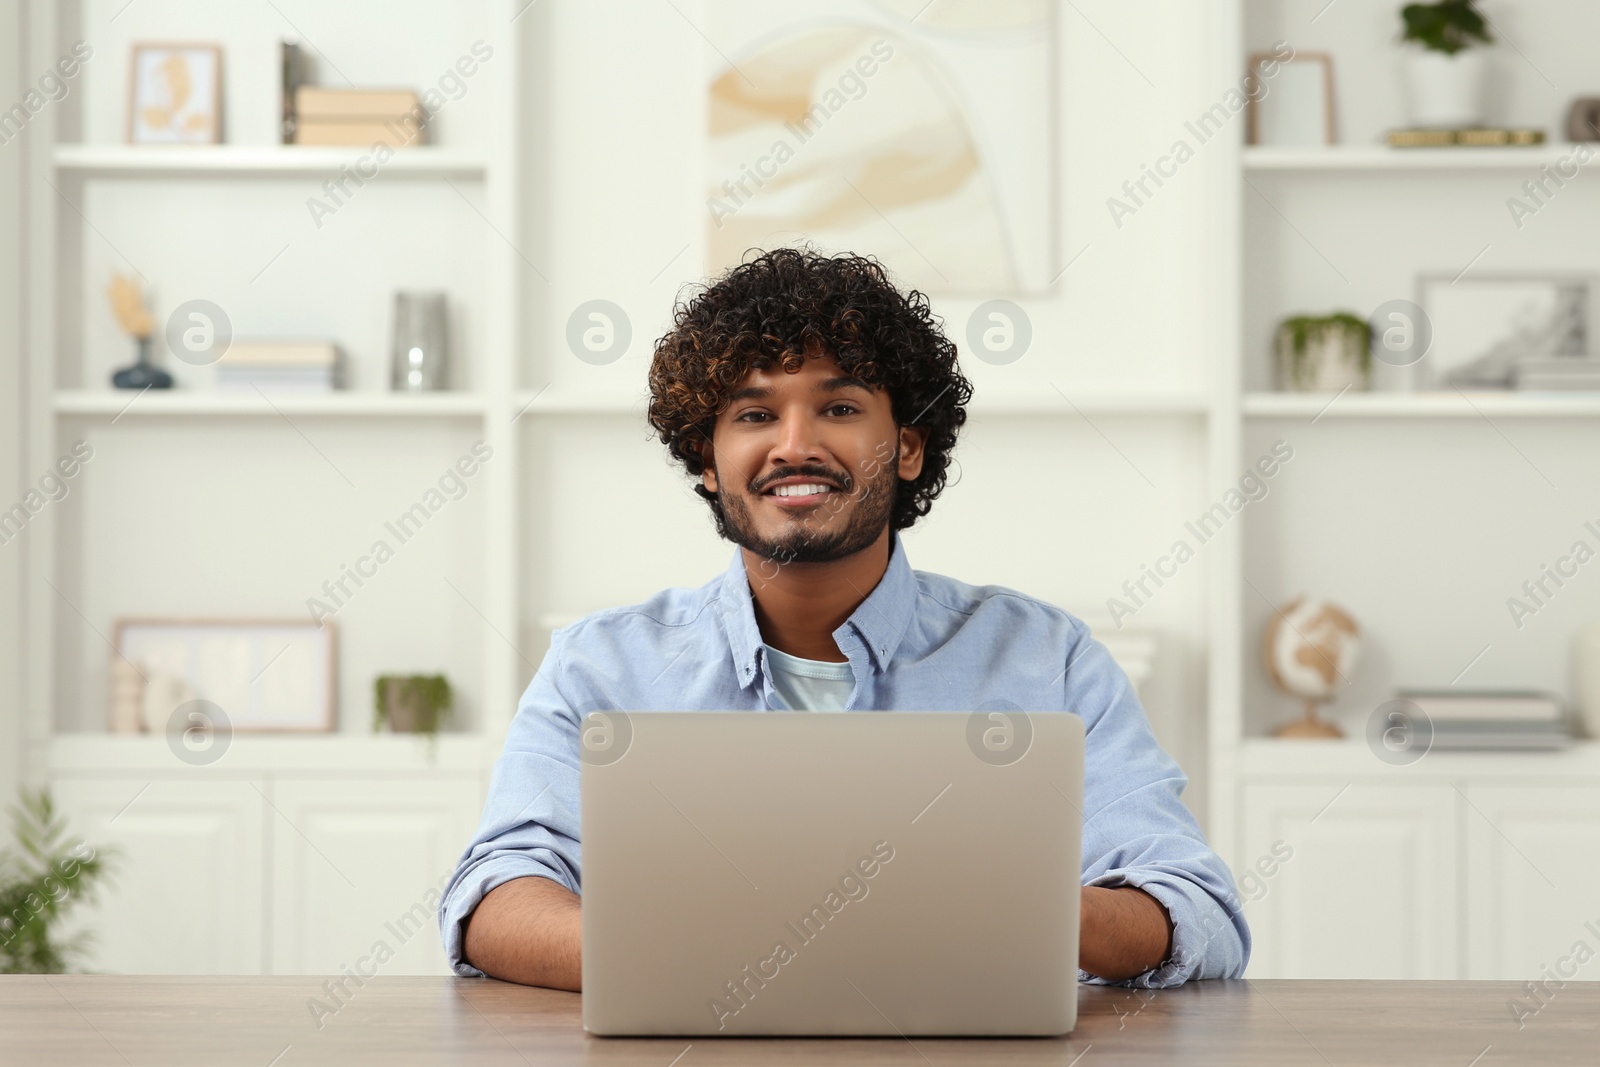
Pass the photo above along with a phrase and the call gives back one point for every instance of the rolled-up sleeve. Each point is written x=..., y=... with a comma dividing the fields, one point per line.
x=530, y=821
x=1137, y=831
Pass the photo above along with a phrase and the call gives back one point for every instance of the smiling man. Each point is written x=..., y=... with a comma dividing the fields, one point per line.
x=817, y=408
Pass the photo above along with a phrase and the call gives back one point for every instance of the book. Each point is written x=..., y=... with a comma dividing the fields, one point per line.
x=1568, y=373
x=1500, y=734
x=1470, y=137
x=280, y=354
x=1446, y=706
x=319, y=102
x=271, y=380
x=404, y=131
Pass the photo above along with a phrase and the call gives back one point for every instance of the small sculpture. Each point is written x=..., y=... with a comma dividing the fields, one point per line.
x=128, y=304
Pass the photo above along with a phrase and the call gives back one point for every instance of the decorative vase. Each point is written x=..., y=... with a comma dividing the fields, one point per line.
x=421, y=353
x=1446, y=91
x=1323, y=355
x=143, y=374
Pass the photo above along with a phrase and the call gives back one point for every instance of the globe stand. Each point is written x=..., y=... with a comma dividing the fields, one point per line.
x=1309, y=727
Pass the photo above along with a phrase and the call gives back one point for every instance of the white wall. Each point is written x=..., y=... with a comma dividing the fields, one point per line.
x=12, y=473
x=1043, y=503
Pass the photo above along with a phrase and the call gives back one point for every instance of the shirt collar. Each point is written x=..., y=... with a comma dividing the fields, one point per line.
x=875, y=627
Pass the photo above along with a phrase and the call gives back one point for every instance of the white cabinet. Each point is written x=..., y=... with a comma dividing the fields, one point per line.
x=1533, y=861
x=357, y=869
x=288, y=856
x=185, y=893
x=1369, y=886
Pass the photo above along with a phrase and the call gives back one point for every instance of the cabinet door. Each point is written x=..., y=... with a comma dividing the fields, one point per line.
x=1368, y=888
x=185, y=895
x=357, y=866
x=1533, y=860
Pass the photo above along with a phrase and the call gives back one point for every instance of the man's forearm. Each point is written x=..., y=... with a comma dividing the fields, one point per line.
x=1123, y=931
x=528, y=930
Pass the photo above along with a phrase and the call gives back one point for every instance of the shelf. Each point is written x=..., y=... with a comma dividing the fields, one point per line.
x=149, y=754
x=1381, y=157
x=555, y=400
x=1042, y=401
x=1351, y=758
x=1468, y=404
x=257, y=159
x=1046, y=400
x=154, y=402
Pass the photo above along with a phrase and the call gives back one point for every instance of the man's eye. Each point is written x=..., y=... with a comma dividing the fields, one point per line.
x=850, y=409
x=749, y=414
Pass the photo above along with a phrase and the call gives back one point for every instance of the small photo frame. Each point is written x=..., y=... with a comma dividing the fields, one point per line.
x=1484, y=325
x=175, y=94
x=1291, y=105
x=267, y=675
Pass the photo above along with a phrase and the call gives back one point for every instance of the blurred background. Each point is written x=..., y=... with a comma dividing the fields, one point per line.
x=324, y=333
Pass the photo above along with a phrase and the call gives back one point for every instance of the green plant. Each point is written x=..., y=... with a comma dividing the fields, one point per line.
x=41, y=877
x=1447, y=26
x=1303, y=331
x=426, y=697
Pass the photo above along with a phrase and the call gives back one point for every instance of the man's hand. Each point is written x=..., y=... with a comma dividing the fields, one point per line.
x=528, y=930
x=1122, y=931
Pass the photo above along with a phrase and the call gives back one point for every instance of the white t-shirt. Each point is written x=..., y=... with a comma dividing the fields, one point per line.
x=809, y=684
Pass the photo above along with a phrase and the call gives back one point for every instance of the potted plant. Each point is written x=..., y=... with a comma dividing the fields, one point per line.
x=41, y=877
x=411, y=703
x=1323, y=353
x=1445, y=75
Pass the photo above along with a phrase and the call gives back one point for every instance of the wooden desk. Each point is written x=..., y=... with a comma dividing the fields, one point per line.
x=89, y=1020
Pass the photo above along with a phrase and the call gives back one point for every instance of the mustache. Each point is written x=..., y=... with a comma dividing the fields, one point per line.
x=821, y=474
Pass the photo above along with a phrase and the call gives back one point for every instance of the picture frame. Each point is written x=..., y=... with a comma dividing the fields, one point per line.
x=268, y=675
x=1295, y=107
x=1483, y=325
x=175, y=93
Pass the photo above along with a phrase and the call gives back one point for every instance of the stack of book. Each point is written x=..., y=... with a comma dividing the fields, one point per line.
x=280, y=366
x=1517, y=719
x=358, y=117
x=1468, y=137
x=1558, y=373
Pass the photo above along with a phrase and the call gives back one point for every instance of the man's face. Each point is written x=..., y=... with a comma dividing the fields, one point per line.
x=806, y=464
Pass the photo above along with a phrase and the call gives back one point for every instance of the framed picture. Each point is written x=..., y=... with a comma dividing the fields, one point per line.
x=1293, y=106
x=1485, y=325
x=267, y=675
x=175, y=94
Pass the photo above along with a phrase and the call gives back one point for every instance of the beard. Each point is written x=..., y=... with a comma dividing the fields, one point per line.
x=829, y=531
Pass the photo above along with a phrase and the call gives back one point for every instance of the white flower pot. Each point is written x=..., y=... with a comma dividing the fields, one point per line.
x=1333, y=360
x=1446, y=91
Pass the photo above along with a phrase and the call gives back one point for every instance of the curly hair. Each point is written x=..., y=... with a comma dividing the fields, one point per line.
x=791, y=304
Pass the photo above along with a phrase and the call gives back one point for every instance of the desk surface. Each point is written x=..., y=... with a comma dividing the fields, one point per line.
x=89, y=1020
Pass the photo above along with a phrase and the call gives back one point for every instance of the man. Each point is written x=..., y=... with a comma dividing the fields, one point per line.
x=818, y=408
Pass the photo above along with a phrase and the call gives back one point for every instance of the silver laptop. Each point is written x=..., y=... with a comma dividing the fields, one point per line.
x=894, y=873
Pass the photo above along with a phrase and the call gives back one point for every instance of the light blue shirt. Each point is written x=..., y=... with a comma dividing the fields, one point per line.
x=918, y=642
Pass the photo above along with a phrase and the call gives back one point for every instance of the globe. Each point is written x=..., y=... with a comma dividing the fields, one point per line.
x=1310, y=649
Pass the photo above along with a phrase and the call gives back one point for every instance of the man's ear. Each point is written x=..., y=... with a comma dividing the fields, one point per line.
x=708, y=470
x=912, y=441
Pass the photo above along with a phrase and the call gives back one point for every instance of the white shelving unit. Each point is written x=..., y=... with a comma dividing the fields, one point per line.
x=302, y=840
x=1418, y=512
